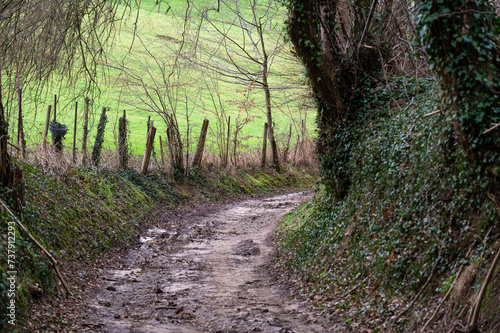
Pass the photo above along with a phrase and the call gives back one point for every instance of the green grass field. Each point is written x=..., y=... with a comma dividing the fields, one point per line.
x=148, y=54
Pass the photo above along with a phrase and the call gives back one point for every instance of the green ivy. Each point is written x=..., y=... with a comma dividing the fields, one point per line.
x=413, y=208
x=461, y=39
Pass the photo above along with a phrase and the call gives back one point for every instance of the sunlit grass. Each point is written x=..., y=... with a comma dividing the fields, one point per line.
x=156, y=35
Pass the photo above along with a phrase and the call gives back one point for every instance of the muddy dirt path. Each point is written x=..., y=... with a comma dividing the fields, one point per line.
x=203, y=271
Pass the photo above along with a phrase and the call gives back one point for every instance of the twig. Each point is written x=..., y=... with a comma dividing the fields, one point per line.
x=14, y=146
x=491, y=129
x=432, y=113
x=367, y=24
x=51, y=258
x=424, y=286
x=477, y=305
x=447, y=294
x=420, y=291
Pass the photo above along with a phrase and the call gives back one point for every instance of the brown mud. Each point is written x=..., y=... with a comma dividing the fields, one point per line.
x=204, y=270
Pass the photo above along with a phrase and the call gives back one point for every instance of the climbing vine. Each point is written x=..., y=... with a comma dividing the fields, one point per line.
x=99, y=139
x=462, y=40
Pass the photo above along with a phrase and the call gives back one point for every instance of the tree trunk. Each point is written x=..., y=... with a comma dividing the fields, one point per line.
x=10, y=178
x=175, y=147
x=332, y=44
x=201, y=144
x=74, y=133
x=470, y=70
x=21, y=142
x=226, y=155
x=264, y=146
x=269, y=116
x=99, y=139
x=162, y=153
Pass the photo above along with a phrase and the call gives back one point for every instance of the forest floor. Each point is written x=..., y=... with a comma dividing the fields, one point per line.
x=199, y=269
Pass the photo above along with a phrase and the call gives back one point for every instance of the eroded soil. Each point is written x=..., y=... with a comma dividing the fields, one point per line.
x=207, y=270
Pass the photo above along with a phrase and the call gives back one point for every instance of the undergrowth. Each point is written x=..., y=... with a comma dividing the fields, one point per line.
x=79, y=214
x=413, y=209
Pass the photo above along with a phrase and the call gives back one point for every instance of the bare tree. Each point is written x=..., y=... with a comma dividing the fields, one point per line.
x=40, y=37
x=161, y=85
x=247, y=46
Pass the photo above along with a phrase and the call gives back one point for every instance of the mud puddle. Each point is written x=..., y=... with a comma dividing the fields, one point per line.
x=203, y=271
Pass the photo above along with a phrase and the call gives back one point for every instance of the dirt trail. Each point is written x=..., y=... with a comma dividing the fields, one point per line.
x=203, y=271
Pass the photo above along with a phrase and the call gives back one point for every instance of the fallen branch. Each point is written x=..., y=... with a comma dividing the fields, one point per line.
x=447, y=294
x=40, y=246
x=419, y=293
x=423, y=287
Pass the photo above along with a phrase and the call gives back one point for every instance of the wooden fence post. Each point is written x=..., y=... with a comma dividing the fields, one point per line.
x=85, y=131
x=149, y=148
x=47, y=122
x=21, y=142
x=201, y=144
x=55, y=107
x=74, y=133
x=264, y=147
x=170, y=146
x=287, y=147
x=162, y=153
x=122, y=141
x=99, y=139
x=224, y=164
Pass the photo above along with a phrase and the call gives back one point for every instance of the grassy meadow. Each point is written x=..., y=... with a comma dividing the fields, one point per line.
x=137, y=76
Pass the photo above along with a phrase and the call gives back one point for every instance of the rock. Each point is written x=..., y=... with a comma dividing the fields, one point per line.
x=105, y=303
x=35, y=291
x=186, y=316
x=111, y=288
x=246, y=248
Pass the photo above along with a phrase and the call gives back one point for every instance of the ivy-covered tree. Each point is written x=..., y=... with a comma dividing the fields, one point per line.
x=343, y=46
x=462, y=41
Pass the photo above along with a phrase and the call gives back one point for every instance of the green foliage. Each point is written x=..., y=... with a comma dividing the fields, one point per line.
x=413, y=208
x=368, y=104
x=461, y=39
x=160, y=34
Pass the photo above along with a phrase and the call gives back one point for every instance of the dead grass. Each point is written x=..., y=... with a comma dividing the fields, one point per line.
x=300, y=155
